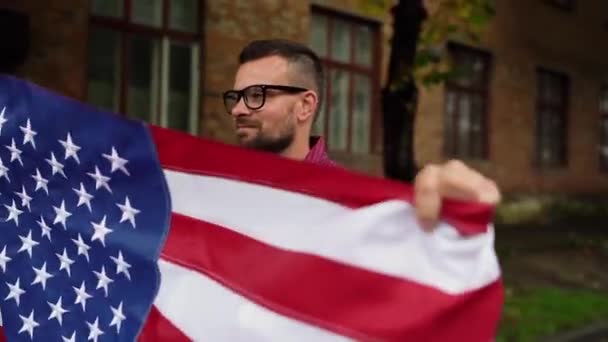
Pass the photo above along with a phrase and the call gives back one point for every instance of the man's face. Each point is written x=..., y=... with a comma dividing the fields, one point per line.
x=271, y=127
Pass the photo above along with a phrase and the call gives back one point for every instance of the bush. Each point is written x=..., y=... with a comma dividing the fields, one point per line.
x=546, y=210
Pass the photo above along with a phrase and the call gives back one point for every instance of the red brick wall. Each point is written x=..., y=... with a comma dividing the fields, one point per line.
x=57, y=56
x=525, y=35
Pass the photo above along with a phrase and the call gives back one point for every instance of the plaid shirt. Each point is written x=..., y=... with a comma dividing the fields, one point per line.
x=318, y=153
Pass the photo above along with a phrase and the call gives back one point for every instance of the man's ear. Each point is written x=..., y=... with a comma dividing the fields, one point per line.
x=308, y=106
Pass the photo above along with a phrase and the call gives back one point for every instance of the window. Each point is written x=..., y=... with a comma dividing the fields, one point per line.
x=551, y=118
x=144, y=60
x=348, y=48
x=604, y=128
x=563, y=4
x=466, y=97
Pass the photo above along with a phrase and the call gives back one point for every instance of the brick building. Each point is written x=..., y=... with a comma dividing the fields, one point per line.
x=533, y=113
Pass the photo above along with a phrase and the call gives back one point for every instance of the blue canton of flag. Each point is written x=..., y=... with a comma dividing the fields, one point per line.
x=84, y=212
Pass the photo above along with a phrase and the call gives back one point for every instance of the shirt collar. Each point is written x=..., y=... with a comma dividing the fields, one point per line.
x=318, y=152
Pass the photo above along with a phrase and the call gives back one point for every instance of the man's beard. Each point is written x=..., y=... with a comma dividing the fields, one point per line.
x=264, y=142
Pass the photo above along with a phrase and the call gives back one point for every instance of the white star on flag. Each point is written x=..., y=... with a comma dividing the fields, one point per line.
x=28, y=134
x=28, y=324
x=13, y=213
x=4, y=171
x=15, y=152
x=27, y=243
x=56, y=166
x=128, y=212
x=25, y=198
x=65, y=261
x=100, y=231
x=118, y=317
x=83, y=248
x=57, y=311
x=103, y=280
x=41, y=276
x=84, y=198
x=15, y=291
x=94, y=331
x=81, y=295
x=100, y=180
x=61, y=215
x=118, y=163
x=3, y=120
x=41, y=182
x=46, y=230
x=4, y=259
x=71, y=339
x=121, y=265
x=71, y=150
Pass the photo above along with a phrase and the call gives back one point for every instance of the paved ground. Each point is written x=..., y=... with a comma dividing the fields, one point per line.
x=554, y=256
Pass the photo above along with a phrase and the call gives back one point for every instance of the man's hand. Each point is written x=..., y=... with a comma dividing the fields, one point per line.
x=451, y=180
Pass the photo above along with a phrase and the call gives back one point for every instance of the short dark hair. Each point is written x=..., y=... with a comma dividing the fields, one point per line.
x=295, y=53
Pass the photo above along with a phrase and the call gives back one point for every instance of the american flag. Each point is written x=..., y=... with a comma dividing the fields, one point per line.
x=80, y=233
x=260, y=248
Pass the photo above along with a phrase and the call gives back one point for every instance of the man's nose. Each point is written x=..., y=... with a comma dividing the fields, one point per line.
x=240, y=108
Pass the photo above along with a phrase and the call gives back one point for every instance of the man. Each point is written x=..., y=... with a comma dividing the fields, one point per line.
x=277, y=94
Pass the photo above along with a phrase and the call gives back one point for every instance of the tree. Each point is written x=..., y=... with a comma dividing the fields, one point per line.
x=420, y=28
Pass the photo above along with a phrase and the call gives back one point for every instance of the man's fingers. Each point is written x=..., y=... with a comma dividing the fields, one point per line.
x=452, y=180
x=458, y=181
x=427, y=199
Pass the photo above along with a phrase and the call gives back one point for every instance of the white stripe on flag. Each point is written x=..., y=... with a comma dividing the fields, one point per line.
x=200, y=307
x=383, y=237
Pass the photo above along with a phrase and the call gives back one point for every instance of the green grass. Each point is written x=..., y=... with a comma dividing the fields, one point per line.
x=539, y=313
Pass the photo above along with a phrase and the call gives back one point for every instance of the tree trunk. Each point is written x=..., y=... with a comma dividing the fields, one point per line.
x=399, y=97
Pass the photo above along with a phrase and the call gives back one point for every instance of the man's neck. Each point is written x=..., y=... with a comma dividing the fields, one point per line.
x=297, y=150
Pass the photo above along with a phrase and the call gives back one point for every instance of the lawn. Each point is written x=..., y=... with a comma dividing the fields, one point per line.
x=542, y=312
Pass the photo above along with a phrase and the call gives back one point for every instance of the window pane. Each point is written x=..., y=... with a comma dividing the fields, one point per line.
x=143, y=79
x=471, y=70
x=604, y=100
x=552, y=97
x=318, y=34
x=184, y=15
x=550, y=138
x=545, y=138
x=148, y=12
x=180, y=90
x=464, y=125
x=604, y=142
x=107, y=8
x=338, y=116
x=104, y=68
x=477, y=126
x=552, y=89
x=362, y=113
x=319, y=125
x=363, y=50
x=450, y=115
x=340, y=40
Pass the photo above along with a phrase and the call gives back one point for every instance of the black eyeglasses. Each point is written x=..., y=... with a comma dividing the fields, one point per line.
x=255, y=95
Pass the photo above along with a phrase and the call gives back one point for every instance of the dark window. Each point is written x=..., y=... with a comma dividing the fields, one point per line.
x=466, y=100
x=349, y=50
x=143, y=60
x=551, y=118
x=604, y=128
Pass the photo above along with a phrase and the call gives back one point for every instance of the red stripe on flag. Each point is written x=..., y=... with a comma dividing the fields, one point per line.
x=185, y=153
x=158, y=328
x=335, y=296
